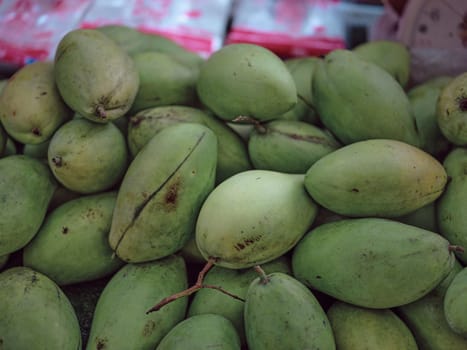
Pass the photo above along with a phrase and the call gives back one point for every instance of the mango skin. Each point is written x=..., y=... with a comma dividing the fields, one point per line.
x=388, y=263
x=392, y=56
x=37, y=313
x=207, y=301
x=202, y=332
x=162, y=192
x=31, y=108
x=95, y=77
x=120, y=320
x=455, y=304
x=355, y=328
x=26, y=188
x=451, y=219
x=253, y=217
x=80, y=225
x=384, y=178
x=281, y=313
x=289, y=146
x=246, y=80
x=88, y=157
x=452, y=110
x=357, y=100
x=232, y=154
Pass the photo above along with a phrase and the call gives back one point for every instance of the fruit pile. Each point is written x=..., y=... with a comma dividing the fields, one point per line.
x=150, y=199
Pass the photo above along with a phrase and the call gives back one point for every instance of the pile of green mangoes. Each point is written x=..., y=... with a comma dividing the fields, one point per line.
x=153, y=199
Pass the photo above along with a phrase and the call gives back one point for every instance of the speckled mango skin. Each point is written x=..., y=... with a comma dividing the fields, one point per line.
x=94, y=76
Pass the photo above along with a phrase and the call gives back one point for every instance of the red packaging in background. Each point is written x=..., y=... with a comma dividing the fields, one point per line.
x=30, y=30
x=197, y=25
x=290, y=28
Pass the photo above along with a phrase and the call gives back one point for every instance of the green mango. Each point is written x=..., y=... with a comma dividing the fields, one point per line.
x=451, y=110
x=356, y=327
x=163, y=81
x=120, y=320
x=202, y=332
x=134, y=42
x=31, y=108
x=425, y=217
x=455, y=303
x=289, y=146
x=253, y=217
x=162, y=192
x=232, y=154
x=301, y=69
x=451, y=219
x=392, y=56
x=425, y=318
x=210, y=301
x=423, y=100
x=281, y=313
x=26, y=187
x=88, y=157
x=357, y=100
x=95, y=76
x=36, y=314
x=386, y=178
x=246, y=80
x=77, y=226
x=387, y=263
x=442, y=287
x=3, y=260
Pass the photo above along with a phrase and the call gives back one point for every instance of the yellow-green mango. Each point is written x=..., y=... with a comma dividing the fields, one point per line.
x=385, y=178
x=88, y=157
x=282, y=314
x=358, y=328
x=163, y=81
x=301, y=69
x=26, y=187
x=254, y=217
x=210, y=301
x=31, y=108
x=455, y=303
x=246, y=80
x=162, y=191
x=232, y=154
x=357, y=100
x=451, y=218
x=423, y=100
x=36, y=314
x=95, y=76
x=72, y=244
x=392, y=56
x=425, y=318
x=120, y=321
x=200, y=332
x=387, y=263
x=289, y=146
x=451, y=110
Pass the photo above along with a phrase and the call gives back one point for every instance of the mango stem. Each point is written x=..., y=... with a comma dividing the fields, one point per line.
x=263, y=276
x=260, y=128
x=194, y=288
x=456, y=248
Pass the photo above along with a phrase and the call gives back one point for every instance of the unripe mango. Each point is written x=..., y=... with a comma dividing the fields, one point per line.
x=94, y=76
x=36, y=314
x=246, y=80
x=356, y=328
x=357, y=100
x=31, y=108
x=202, y=332
x=386, y=178
x=80, y=225
x=387, y=263
x=162, y=192
x=254, y=217
x=282, y=314
x=120, y=320
x=26, y=187
x=455, y=303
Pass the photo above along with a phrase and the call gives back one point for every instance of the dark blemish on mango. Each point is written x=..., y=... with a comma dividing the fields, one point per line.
x=463, y=103
x=136, y=120
x=246, y=242
x=101, y=344
x=36, y=131
x=43, y=93
x=149, y=328
x=171, y=196
x=57, y=160
x=356, y=190
x=64, y=230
